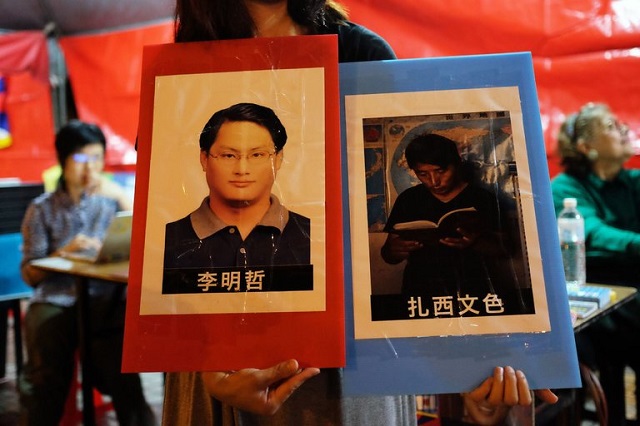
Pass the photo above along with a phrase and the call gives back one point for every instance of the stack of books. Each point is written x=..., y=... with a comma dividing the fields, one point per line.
x=586, y=299
x=601, y=295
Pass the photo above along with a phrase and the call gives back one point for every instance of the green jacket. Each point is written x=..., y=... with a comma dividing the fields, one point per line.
x=611, y=211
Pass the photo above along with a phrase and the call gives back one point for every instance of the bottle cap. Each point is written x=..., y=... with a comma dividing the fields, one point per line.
x=570, y=202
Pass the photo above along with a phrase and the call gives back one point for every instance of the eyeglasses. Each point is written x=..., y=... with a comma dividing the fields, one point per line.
x=621, y=127
x=82, y=158
x=579, y=123
x=254, y=157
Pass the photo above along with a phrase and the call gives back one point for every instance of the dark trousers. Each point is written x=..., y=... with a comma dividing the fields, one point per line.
x=613, y=343
x=51, y=343
x=610, y=346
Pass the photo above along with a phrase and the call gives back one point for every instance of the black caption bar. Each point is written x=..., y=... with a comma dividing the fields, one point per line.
x=387, y=307
x=237, y=279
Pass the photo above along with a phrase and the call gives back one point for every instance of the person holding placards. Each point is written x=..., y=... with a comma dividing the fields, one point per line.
x=288, y=393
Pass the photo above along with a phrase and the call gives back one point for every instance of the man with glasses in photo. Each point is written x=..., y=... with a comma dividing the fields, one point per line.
x=240, y=238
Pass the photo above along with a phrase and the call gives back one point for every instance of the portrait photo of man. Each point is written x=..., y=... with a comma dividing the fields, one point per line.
x=241, y=238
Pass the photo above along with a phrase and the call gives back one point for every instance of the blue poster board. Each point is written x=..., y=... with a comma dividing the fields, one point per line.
x=489, y=105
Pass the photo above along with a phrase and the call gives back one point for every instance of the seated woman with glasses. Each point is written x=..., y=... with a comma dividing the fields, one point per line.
x=594, y=147
x=240, y=223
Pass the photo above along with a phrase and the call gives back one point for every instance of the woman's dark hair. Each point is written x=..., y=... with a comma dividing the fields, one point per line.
x=203, y=20
x=253, y=113
x=577, y=127
x=74, y=135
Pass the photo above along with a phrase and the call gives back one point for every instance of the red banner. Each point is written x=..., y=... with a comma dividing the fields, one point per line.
x=26, y=105
x=583, y=50
x=106, y=83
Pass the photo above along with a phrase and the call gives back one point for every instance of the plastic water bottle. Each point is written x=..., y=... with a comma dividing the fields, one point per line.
x=571, y=234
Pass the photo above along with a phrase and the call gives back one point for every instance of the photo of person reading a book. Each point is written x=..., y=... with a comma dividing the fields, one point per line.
x=241, y=230
x=448, y=228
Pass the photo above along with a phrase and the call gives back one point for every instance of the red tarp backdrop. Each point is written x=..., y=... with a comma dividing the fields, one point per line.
x=104, y=70
x=27, y=104
x=583, y=50
x=106, y=83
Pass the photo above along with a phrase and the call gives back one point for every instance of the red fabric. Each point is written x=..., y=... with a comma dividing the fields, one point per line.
x=583, y=50
x=27, y=103
x=466, y=27
x=105, y=70
x=28, y=106
x=24, y=51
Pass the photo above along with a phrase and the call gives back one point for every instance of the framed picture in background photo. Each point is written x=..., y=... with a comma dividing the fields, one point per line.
x=455, y=263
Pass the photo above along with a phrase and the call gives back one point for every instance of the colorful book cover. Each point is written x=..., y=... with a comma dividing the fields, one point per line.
x=214, y=285
x=428, y=136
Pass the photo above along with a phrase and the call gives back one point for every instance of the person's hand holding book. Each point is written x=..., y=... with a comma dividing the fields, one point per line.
x=396, y=248
x=467, y=239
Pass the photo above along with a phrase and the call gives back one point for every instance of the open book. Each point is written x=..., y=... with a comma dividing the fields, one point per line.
x=428, y=231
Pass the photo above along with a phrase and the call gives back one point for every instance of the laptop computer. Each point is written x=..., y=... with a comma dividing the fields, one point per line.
x=116, y=245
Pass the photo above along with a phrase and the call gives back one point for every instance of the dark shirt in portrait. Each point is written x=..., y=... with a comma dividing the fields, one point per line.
x=437, y=270
x=279, y=246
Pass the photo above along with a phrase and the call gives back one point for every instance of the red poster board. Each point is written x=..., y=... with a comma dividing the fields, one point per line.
x=182, y=85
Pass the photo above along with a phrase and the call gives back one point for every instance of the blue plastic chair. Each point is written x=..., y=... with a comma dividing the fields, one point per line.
x=12, y=290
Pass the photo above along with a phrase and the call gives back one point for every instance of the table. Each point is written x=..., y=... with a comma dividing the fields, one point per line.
x=117, y=272
x=569, y=409
x=622, y=296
